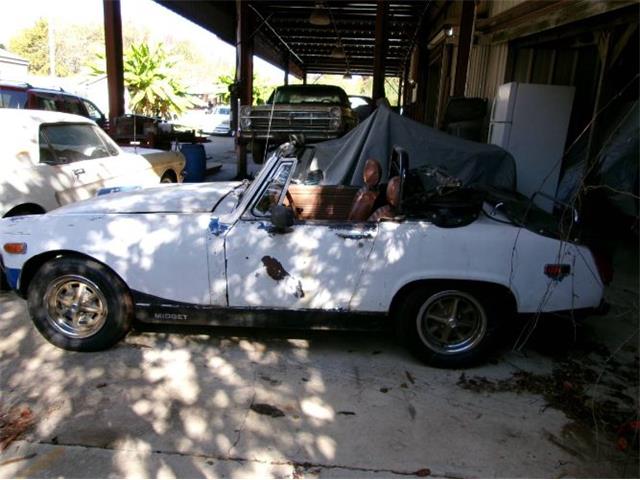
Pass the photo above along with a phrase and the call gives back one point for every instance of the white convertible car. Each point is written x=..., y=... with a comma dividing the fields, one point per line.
x=279, y=253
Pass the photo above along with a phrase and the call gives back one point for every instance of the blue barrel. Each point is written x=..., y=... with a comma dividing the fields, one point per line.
x=196, y=164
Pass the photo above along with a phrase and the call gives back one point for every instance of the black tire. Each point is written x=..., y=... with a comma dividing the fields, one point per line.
x=450, y=342
x=102, y=288
x=168, y=178
x=258, y=148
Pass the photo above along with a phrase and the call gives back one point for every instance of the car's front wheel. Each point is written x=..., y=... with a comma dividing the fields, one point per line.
x=79, y=304
x=449, y=326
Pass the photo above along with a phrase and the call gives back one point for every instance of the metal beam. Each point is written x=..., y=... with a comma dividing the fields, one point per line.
x=244, y=74
x=380, y=50
x=113, y=55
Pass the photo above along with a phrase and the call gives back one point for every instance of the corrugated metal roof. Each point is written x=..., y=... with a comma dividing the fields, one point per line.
x=352, y=26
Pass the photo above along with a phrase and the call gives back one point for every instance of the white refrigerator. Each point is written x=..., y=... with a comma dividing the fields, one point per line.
x=531, y=121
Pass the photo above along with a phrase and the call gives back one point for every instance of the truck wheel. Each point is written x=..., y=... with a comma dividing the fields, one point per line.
x=449, y=326
x=257, y=151
x=79, y=304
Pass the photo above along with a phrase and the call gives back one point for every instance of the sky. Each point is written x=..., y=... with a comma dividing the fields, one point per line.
x=143, y=13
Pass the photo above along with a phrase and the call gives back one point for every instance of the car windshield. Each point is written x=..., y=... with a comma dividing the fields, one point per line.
x=222, y=111
x=309, y=94
x=10, y=98
x=274, y=190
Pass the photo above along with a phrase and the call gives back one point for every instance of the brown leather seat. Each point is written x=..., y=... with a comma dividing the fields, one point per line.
x=393, y=198
x=366, y=197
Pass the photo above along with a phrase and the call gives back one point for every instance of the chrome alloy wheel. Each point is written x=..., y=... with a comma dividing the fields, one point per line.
x=75, y=306
x=451, y=322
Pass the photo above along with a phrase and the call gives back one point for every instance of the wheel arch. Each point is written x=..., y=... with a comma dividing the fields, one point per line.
x=28, y=207
x=31, y=267
x=170, y=173
x=502, y=291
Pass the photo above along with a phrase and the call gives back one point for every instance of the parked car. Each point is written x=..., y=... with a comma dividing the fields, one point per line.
x=362, y=106
x=221, y=120
x=319, y=112
x=23, y=95
x=282, y=254
x=51, y=159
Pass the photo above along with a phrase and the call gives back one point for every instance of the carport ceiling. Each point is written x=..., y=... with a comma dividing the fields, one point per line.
x=309, y=46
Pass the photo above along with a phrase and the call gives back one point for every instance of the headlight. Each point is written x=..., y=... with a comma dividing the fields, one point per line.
x=245, y=111
x=335, y=123
x=336, y=112
x=245, y=122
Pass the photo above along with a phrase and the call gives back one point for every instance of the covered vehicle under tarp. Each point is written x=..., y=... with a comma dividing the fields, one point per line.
x=341, y=161
x=615, y=171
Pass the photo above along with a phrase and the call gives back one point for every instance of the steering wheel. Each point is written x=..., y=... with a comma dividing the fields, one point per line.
x=291, y=204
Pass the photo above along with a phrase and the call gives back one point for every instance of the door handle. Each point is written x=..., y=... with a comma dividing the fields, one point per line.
x=354, y=234
x=78, y=171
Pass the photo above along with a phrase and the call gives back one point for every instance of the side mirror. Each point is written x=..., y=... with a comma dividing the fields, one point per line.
x=281, y=218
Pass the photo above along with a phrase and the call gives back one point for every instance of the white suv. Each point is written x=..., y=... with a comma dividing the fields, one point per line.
x=51, y=158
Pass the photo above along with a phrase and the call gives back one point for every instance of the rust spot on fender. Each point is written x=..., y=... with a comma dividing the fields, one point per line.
x=274, y=268
x=276, y=271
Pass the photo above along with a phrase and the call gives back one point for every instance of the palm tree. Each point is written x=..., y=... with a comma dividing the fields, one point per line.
x=150, y=82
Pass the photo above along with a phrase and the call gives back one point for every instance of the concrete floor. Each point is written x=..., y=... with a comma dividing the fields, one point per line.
x=222, y=150
x=224, y=403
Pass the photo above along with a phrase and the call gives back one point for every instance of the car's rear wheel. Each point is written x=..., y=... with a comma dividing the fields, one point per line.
x=168, y=177
x=79, y=304
x=449, y=326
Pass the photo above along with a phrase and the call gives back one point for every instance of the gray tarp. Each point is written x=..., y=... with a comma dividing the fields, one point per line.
x=616, y=165
x=342, y=160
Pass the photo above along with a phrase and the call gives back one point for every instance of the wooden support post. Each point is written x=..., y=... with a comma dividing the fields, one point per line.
x=406, y=90
x=244, y=73
x=304, y=78
x=604, y=47
x=380, y=50
x=286, y=68
x=467, y=18
x=113, y=55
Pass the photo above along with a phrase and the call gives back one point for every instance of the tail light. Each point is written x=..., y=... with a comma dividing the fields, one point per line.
x=557, y=271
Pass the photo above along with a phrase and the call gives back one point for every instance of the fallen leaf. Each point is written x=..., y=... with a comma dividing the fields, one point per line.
x=266, y=409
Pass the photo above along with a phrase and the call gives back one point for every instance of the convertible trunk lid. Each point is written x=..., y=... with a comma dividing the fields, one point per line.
x=185, y=198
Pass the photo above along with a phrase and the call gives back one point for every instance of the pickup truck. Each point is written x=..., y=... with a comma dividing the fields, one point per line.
x=319, y=112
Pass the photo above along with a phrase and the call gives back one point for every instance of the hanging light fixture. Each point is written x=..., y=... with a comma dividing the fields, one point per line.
x=319, y=16
x=337, y=52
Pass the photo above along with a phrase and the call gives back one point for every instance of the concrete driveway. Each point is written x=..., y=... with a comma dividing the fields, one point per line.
x=242, y=404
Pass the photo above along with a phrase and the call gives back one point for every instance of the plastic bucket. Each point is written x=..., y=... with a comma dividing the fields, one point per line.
x=196, y=161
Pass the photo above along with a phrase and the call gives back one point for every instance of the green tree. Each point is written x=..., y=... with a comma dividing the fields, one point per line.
x=32, y=44
x=261, y=88
x=149, y=79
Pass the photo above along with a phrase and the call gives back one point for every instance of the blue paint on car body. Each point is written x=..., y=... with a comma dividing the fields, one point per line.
x=13, y=275
x=107, y=190
x=216, y=228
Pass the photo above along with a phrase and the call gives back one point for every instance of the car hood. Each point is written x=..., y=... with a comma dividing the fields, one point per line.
x=184, y=198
